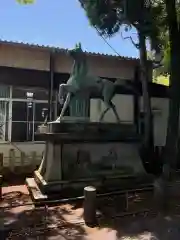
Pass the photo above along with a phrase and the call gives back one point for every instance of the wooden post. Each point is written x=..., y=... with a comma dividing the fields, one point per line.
x=90, y=205
x=51, y=86
x=1, y=180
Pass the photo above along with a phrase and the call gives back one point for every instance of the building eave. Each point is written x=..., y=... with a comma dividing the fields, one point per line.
x=63, y=50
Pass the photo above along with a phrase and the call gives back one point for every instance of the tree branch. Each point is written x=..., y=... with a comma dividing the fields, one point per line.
x=132, y=41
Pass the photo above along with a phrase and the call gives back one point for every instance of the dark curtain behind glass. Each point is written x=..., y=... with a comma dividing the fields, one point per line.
x=22, y=122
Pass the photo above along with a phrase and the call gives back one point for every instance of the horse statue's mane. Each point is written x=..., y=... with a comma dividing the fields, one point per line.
x=80, y=63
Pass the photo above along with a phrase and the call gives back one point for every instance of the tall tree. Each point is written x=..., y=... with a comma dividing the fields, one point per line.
x=169, y=36
x=174, y=104
x=108, y=17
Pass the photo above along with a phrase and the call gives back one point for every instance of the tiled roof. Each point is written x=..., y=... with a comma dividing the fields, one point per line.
x=58, y=49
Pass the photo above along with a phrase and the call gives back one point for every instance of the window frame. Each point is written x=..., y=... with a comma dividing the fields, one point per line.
x=34, y=102
x=11, y=100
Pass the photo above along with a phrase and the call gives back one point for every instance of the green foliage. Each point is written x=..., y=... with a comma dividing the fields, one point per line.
x=25, y=1
x=108, y=16
x=104, y=15
x=161, y=21
x=165, y=68
x=161, y=79
x=167, y=57
x=159, y=24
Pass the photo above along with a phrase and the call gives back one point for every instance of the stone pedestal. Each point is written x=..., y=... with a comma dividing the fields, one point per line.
x=50, y=170
x=78, y=154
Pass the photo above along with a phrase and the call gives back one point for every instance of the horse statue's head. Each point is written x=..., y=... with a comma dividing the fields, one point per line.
x=78, y=48
x=80, y=64
x=77, y=52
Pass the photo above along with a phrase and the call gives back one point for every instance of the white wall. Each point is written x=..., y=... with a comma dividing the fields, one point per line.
x=28, y=148
x=160, y=119
x=124, y=107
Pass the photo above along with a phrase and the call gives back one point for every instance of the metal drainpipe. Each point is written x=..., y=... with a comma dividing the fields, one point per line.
x=51, y=86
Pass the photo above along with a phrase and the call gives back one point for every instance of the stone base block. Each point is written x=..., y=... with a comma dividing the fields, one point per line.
x=38, y=197
x=47, y=188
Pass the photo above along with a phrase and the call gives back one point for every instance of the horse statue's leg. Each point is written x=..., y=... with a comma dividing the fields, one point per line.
x=108, y=94
x=109, y=106
x=103, y=114
x=62, y=89
x=113, y=107
x=66, y=104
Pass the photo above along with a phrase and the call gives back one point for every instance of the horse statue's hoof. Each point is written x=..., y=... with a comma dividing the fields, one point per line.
x=57, y=120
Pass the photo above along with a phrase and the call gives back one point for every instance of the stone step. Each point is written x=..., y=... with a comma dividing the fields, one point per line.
x=56, y=127
x=35, y=193
x=90, y=132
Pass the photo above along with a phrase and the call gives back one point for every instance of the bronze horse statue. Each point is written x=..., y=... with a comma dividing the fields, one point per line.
x=81, y=82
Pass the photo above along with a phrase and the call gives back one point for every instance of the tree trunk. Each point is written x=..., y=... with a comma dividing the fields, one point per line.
x=170, y=153
x=148, y=140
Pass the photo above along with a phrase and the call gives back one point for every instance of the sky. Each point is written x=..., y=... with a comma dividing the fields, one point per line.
x=59, y=23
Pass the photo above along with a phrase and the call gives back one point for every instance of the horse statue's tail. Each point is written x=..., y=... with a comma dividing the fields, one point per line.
x=122, y=82
x=127, y=84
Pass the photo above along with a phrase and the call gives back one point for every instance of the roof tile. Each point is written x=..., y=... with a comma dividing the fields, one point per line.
x=58, y=49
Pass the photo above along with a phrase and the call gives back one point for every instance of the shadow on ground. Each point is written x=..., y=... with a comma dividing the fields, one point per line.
x=28, y=222
x=34, y=223
x=65, y=222
x=141, y=226
x=148, y=228
x=15, y=198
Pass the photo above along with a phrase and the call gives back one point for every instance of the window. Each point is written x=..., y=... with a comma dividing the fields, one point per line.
x=22, y=110
x=22, y=121
x=19, y=111
x=26, y=116
x=4, y=114
x=41, y=111
x=18, y=132
x=4, y=91
x=29, y=110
